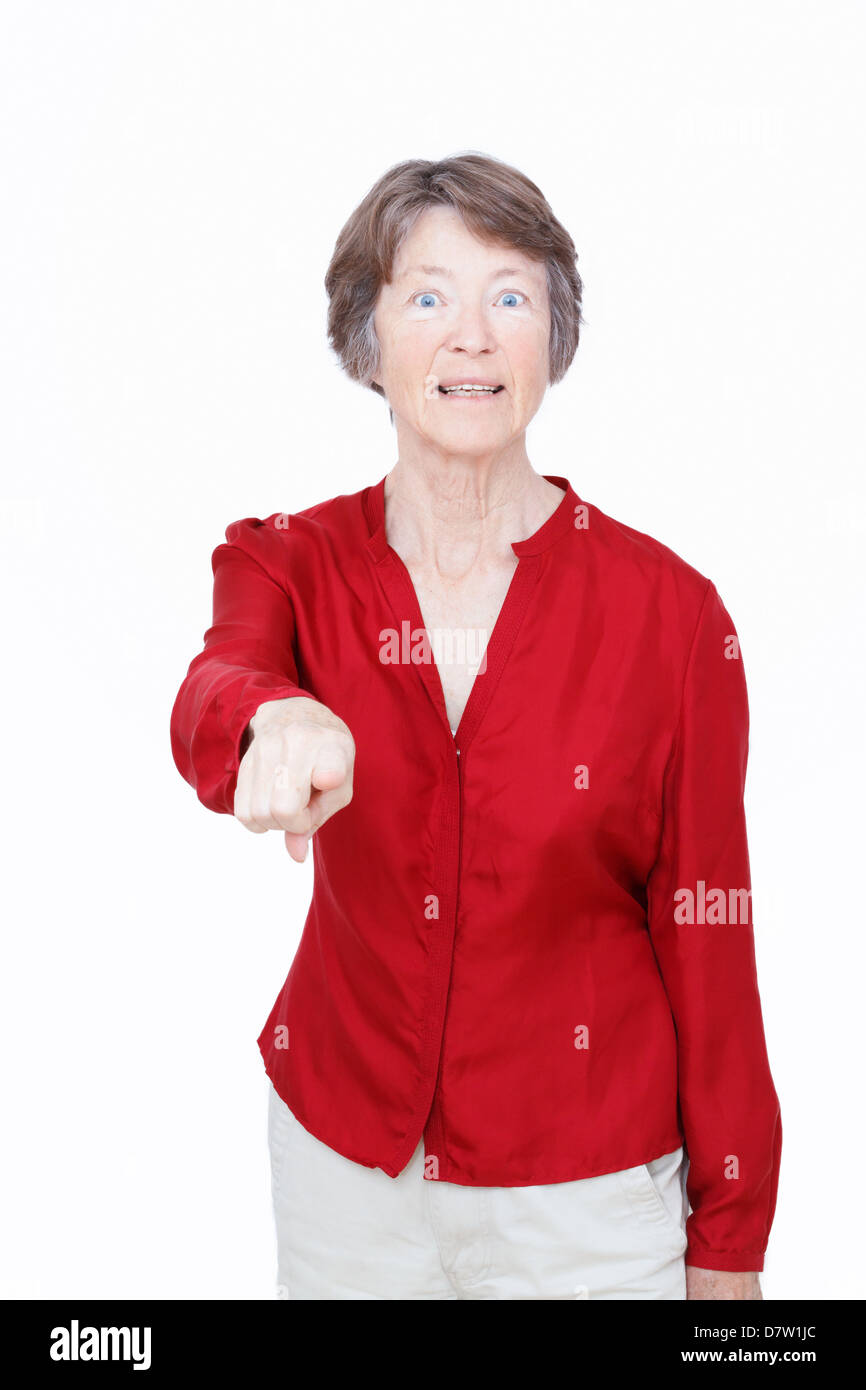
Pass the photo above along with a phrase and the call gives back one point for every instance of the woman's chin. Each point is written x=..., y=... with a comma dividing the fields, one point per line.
x=468, y=433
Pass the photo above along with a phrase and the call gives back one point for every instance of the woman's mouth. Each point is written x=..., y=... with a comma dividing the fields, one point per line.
x=470, y=392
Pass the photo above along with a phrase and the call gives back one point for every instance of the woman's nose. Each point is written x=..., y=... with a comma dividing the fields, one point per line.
x=472, y=332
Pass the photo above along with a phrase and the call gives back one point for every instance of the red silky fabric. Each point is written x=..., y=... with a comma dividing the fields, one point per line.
x=247, y=659
x=536, y=952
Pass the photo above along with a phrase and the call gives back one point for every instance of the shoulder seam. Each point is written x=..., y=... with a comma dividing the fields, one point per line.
x=230, y=545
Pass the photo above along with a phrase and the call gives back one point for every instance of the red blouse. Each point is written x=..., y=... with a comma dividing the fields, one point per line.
x=530, y=942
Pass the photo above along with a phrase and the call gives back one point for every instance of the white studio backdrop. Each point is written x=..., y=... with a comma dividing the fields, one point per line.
x=175, y=175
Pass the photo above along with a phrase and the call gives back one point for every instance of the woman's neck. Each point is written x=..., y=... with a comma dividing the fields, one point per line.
x=450, y=517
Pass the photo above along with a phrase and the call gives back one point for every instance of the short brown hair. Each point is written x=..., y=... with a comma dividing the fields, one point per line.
x=496, y=201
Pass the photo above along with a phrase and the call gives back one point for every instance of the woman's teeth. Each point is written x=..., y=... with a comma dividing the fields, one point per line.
x=469, y=390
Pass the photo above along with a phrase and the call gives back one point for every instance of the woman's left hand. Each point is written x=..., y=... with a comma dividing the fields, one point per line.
x=720, y=1283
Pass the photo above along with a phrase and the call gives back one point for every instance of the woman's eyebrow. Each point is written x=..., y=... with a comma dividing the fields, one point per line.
x=442, y=270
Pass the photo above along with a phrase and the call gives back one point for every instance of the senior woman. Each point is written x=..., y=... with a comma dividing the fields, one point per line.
x=520, y=1051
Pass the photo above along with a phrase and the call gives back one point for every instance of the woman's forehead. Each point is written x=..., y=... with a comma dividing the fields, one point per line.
x=447, y=247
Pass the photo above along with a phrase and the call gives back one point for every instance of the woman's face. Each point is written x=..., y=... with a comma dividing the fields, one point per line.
x=461, y=309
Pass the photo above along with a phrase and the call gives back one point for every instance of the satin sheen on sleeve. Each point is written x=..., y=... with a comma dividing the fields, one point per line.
x=247, y=659
x=700, y=922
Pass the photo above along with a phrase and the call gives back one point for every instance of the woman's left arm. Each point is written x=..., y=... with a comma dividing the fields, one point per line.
x=700, y=922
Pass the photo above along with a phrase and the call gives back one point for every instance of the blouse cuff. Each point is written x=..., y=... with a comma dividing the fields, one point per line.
x=728, y=1261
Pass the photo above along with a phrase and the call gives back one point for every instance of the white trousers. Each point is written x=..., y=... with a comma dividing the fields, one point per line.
x=349, y=1232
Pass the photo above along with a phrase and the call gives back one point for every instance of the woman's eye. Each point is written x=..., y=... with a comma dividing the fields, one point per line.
x=425, y=299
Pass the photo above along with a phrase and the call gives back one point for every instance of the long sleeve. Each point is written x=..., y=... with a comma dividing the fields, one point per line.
x=248, y=658
x=700, y=921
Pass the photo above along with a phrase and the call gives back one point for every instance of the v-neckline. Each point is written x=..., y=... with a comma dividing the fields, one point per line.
x=400, y=589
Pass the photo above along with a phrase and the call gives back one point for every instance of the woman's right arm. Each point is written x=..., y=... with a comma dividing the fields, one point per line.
x=244, y=733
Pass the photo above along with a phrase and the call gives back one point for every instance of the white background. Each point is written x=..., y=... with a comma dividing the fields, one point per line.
x=174, y=178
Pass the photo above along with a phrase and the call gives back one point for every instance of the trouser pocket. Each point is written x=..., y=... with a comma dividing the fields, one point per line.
x=655, y=1193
